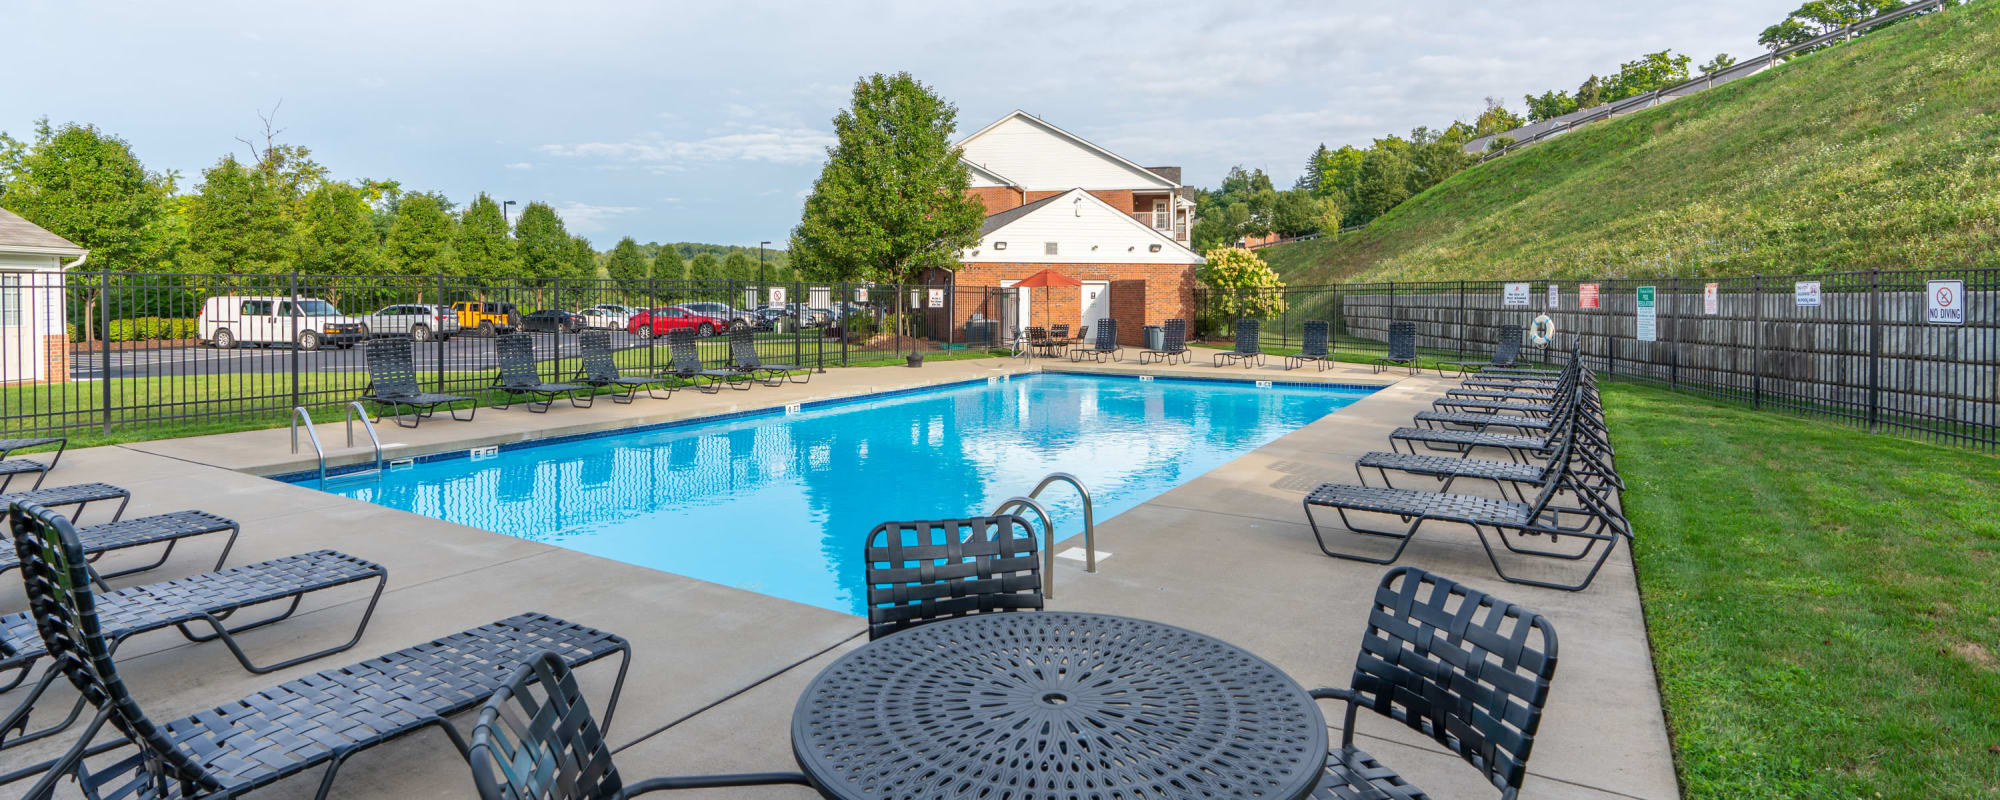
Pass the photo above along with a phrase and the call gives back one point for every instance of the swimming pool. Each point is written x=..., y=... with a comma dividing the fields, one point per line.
x=779, y=502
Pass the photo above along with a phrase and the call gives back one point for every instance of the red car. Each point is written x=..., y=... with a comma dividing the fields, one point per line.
x=665, y=320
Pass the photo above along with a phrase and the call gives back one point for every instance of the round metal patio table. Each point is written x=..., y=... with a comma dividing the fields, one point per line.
x=1042, y=705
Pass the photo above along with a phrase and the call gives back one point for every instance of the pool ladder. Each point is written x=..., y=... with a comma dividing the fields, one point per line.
x=299, y=414
x=1029, y=502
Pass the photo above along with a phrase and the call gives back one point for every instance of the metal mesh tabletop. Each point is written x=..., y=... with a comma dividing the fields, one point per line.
x=1051, y=705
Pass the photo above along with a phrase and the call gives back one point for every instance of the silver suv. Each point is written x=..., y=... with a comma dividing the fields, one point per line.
x=419, y=322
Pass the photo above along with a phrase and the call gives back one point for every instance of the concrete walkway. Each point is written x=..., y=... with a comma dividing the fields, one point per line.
x=717, y=669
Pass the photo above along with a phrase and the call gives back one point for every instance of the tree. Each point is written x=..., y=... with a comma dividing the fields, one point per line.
x=738, y=267
x=1435, y=156
x=1820, y=17
x=1384, y=183
x=627, y=266
x=891, y=199
x=240, y=221
x=1787, y=33
x=1720, y=62
x=1496, y=119
x=482, y=246
x=667, y=266
x=1651, y=72
x=1549, y=105
x=542, y=244
x=1590, y=93
x=1297, y=213
x=582, y=260
x=420, y=237
x=1240, y=284
x=704, y=269
x=1310, y=179
x=1339, y=171
x=335, y=233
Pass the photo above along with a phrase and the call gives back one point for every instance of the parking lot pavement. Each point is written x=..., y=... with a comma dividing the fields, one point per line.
x=460, y=352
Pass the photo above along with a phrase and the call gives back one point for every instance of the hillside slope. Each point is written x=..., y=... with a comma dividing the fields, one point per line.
x=1882, y=153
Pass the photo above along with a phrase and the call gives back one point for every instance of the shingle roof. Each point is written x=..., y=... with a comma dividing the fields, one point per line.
x=1170, y=173
x=1000, y=220
x=16, y=232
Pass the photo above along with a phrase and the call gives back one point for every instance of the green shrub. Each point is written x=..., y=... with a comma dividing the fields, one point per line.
x=142, y=329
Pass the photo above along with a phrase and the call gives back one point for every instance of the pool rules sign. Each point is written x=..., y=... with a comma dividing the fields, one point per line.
x=1649, y=320
x=1944, y=302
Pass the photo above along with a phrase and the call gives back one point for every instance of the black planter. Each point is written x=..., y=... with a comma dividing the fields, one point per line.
x=915, y=360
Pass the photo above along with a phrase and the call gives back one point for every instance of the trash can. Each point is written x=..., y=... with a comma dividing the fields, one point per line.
x=1156, y=337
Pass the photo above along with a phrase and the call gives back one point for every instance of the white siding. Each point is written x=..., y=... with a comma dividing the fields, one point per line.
x=1085, y=230
x=31, y=308
x=981, y=178
x=1042, y=160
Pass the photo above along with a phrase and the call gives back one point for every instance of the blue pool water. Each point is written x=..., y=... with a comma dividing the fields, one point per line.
x=780, y=504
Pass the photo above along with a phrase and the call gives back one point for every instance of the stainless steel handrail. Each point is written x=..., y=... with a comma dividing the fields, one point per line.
x=1048, y=535
x=300, y=413
x=367, y=425
x=1089, y=520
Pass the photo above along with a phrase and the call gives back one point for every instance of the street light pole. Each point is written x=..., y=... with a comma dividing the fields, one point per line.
x=503, y=212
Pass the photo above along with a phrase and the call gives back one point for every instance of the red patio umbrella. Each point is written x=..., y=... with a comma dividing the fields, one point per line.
x=1046, y=279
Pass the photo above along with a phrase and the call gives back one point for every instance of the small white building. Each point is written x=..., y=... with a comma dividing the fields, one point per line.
x=34, y=339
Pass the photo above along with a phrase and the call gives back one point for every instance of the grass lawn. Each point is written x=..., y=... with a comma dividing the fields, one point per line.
x=1824, y=605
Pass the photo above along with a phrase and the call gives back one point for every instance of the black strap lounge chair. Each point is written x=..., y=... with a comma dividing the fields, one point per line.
x=536, y=738
x=1506, y=353
x=197, y=601
x=14, y=467
x=392, y=382
x=76, y=497
x=1402, y=348
x=924, y=571
x=600, y=369
x=1585, y=464
x=1313, y=348
x=1483, y=514
x=687, y=366
x=1468, y=670
x=518, y=376
x=1105, y=347
x=1247, y=350
x=1173, y=344
x=8, y=446
x=169, y=528
x=318, y=720
x=743, y=351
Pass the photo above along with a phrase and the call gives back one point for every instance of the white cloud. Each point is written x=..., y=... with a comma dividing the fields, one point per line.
x=761, y=143
x=588, y=218
x=520, y=165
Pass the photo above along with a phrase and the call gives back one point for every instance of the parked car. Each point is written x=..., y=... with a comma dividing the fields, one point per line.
x=608, y=315
x=489, y=319
x=738, y=318
x=552, y=320
x=419, y=322
x=667, y=319
x=305, y=322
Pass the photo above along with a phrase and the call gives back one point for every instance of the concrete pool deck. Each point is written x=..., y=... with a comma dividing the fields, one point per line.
x=717, y=670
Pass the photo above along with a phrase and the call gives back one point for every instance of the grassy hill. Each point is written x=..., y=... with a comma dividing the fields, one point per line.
x=1883, y=153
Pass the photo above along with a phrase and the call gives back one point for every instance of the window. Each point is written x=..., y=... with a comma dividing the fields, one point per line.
x=256, y=308
x=1161, y=219
x=1048, y=248
x=10, y=299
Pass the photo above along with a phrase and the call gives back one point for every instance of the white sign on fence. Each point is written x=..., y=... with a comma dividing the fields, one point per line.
x=1711, y=298
x=1945, y=303
x=861, y=294
x=1805, y=294
x=1517, y=294
x=1649, y=321
x=916, y=299
x=937, y=298
x=1555, y=297
x=822, y=297
x=1586, y=295
x=777, y=294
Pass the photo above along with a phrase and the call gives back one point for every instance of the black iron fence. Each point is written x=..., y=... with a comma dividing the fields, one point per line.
x=105, y=351
x=1914, y=351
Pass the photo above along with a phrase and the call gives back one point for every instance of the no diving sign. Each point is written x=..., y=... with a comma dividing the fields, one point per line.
x=1944, y=302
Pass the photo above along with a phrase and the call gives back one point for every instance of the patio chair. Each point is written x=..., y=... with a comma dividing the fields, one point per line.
x=198, y=600
x=537, y=738
x=1468, y=670
x=1173, y=344
x=1506, y=353
x=1402, y=348
x=930, y=570
x=8, y=446
x=743, y=351
x=600, y=369
x=1247, y=350
x=1537, y=518
x=518, y=376
x=1516, y=445
x=1584, y=464
x=1313, y=349
x=1105, y=347
x=392, y=382
x=313, y=721
x=169, y=528
x=77, y=497
x=687, y=366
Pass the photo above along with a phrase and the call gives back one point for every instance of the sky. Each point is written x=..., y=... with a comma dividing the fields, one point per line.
x=708, y=122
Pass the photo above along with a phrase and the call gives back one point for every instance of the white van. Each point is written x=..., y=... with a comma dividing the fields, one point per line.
x=228, y=321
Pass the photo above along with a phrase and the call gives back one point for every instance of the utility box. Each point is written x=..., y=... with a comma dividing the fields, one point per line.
x=1156, y=337
x=982, y=333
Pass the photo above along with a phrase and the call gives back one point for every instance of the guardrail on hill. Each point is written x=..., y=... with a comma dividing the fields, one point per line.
x=1556, y=126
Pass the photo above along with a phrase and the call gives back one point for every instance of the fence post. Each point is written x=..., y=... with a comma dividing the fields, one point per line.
x=444, y=307
x=1611, y=325
x=846, y=318
x=104, y=342
x=1757, y=342
x=805, y=317
x=1461, y=320
x=1674, y=335
x=1874, y=349
x=294, y=317
x=652, y=302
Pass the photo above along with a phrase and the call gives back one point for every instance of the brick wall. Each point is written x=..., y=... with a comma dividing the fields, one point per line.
x=996, y=198
x=56, y=350
x=1141, y=294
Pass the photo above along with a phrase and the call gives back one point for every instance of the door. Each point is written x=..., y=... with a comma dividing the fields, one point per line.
x=257, y=323
x=1018, y=306
x=1096, y=300
x=1162, y=220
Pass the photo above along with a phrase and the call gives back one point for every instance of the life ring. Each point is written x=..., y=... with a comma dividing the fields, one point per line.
x=1542, y=331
